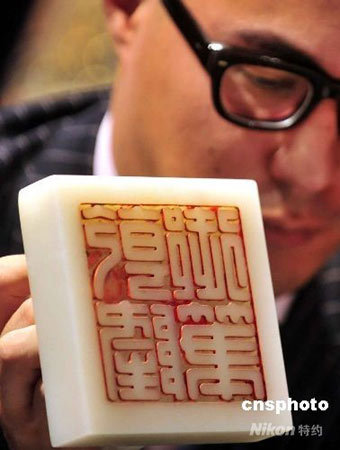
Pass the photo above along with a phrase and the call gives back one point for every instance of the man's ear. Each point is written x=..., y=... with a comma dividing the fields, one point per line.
x=120, y=22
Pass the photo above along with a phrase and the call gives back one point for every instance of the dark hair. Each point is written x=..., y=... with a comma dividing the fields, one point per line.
x=12, y=23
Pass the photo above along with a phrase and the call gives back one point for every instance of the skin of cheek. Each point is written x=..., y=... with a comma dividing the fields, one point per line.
x=292, y=266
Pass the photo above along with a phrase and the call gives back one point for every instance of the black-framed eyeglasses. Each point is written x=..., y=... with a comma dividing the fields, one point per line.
x=250, y=89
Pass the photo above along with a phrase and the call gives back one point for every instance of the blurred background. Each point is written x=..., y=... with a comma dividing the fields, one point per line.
x=52, y=46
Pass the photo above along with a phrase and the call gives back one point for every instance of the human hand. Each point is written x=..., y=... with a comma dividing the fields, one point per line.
x=22, y=403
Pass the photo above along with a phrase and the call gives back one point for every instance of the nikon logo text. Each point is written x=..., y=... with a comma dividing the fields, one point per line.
x=268, y=429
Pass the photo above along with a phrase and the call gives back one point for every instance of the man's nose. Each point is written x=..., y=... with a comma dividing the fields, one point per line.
x=307, y=157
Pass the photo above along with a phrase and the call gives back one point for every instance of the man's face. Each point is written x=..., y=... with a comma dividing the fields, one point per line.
x=166, y=124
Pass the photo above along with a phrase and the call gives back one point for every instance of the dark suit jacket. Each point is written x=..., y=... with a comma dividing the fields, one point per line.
x=41, y=139
x=57, y=137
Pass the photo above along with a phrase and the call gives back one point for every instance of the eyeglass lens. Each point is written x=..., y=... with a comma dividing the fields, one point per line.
x=263, y=93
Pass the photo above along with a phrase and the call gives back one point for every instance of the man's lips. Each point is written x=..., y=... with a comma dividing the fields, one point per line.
x=287, y=233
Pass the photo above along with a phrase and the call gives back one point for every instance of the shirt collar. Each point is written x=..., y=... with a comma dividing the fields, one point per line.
x=103, y=158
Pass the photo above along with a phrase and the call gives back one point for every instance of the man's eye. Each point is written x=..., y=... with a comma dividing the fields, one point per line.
x=268, y=78
x=272, y=83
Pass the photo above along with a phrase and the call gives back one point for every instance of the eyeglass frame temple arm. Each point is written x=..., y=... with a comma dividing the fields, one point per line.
x=189, y=29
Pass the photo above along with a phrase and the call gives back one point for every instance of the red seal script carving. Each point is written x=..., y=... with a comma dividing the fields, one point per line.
x=173, y=303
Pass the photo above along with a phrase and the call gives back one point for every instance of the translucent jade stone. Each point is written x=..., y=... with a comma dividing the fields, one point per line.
x=154, y=307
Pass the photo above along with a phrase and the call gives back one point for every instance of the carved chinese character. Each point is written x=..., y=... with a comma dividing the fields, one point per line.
x=103, y=235
x=207, y=346
x=138, y=375
x=169, y=356
x=181, y=271
x=205, y=254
